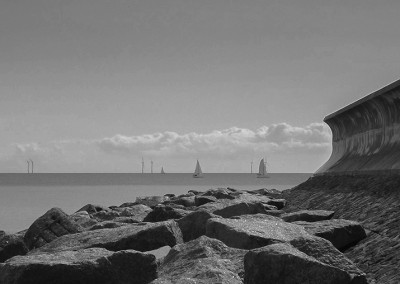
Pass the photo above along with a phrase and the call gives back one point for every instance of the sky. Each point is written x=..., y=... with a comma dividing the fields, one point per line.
x=95, y=85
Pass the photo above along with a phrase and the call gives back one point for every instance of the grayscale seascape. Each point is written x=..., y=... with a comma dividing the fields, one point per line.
x=199, y=141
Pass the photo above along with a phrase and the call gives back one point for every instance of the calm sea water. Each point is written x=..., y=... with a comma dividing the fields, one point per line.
x=25, y=197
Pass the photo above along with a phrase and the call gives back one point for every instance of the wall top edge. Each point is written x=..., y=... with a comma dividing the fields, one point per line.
x=364, y=99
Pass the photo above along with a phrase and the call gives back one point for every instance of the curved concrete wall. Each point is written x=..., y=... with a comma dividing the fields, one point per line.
x=366, y=135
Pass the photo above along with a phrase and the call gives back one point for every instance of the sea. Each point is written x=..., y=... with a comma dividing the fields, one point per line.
x=25, y=197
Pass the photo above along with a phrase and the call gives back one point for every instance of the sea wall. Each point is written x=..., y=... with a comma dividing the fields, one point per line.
x=366, y=135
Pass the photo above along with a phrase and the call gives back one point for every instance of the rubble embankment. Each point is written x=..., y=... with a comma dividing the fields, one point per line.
x=219, y=236
x=372, y=200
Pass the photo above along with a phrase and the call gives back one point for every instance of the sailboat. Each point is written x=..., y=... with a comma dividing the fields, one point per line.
x=262, y=170
x=162, y=171
x=197, y=172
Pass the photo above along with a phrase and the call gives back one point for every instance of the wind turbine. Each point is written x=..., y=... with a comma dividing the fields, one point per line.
x=32, y=165
x=28, y=166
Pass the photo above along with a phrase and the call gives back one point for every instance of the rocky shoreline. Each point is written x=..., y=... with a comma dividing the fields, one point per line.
x=302, y=235
x=372, y=200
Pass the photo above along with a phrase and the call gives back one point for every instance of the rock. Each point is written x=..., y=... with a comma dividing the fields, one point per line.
x=93, y=208
x=186, y=201
x=203, y=260
x=308, y=215
x=201, y=200
x=242, y=198
x=283, y=263
x=160, y=252
x=106, y=215
x=12, y=245
x=258, y=217
x=151, y=201
x=247, y=197
x=139, y=237
x=165, y=212
x=94, y=265
x=195, y=192
x=83, y=219
x=128, y=204
x=374, y=201
x=265, y=191
x=210, y=207
x=253, y=232
x=276, y=213
x=243, y=208
x=278, y=203
x=341, y=233
x=127, y=220
x=134, y=210
x=53, y=224
x=193, y=225
x=220, y=193
x=325, y=252
x=107, y=225
x=169, y=195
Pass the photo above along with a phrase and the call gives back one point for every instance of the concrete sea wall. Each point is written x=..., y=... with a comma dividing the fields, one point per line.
x=366, y=135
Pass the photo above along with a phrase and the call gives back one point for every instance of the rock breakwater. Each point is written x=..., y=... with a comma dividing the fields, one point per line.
x=218, y=236
x=372, y=200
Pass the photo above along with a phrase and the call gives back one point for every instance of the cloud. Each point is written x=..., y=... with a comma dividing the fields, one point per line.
x=231, y=141
x=289, y=148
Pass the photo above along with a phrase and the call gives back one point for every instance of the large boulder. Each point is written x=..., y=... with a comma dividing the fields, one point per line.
x=253, y=232
x=141, y=237
x=278, y=203
x=260, y=217
x=256, y=203
x=308, y=215
x=186, y=201
x=203, y=260
x=284, y=263
x=151, y=201
x=93, y=208
x=341, y=233
x=106, y=215
x=210, y=207
x=325, y=252
x=194, y=224
x=83, y=219
x=270, y=192
x=12, y=245
x=244, y=208
x=165, y=212
x=94, y=265
x=195, y=192
x=136, y=212
x=201, y=200
x=107, y=225
x=220, y=193
x=53, y=224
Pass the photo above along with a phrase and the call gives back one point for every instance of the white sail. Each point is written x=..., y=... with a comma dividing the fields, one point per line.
x=197, y=172
x=262, y=170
